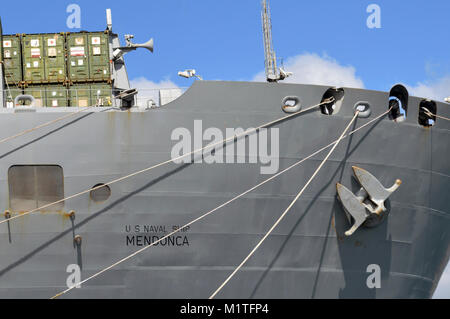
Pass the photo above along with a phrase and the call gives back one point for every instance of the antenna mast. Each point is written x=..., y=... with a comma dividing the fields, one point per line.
x=272, y=72
x=271, y=60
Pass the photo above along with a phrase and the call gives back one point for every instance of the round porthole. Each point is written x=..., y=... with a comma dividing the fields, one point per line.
x=100, y=193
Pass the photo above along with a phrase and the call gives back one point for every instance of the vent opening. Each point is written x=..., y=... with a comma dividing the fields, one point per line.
x=427, y=112
x=398, y=101
x=335, y=106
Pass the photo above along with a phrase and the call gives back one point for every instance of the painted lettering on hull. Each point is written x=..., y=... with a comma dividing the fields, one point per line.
x=172, y=241
x=145, y=235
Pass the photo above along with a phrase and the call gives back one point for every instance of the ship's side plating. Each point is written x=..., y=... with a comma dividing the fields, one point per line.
x=308, y=256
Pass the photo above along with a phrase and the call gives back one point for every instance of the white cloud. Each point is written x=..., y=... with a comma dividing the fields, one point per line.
x=436, y=90
x=311, y=68
x=149, y=90
x=443, y=290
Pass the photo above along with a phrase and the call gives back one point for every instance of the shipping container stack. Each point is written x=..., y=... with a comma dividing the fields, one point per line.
x=89, y=74
x=59, y=69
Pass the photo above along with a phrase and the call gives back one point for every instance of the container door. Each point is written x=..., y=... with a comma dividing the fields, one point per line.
x=78, y=63
x=55, y=58
x=12, y=60
x=101, y=94
x=33, y=59
x=38, y=92
x=80, y=96
x=56, y=96
x=99, y=57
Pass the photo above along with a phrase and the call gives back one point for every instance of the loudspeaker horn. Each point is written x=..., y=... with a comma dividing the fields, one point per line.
x=149, y=45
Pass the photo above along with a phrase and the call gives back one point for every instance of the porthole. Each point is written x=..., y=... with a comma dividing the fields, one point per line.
x=100, y=193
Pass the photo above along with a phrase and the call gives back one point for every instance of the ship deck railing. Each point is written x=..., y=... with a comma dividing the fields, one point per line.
x=146, y=98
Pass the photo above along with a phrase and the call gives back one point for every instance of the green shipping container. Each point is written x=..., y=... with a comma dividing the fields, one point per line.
x=48, y=95
x=101, y=94
x=80, y=95
x=33, y=58
x=38, y=92
x=77, y=60
x=56, y=96
x=55, y=58
x=99, y=65
x=12, y=59
x=90, y=95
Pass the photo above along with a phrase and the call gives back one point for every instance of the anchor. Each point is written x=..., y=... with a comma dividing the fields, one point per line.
x=370, y=201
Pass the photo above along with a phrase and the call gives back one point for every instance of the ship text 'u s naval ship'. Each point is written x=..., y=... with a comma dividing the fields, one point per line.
x=105, y=195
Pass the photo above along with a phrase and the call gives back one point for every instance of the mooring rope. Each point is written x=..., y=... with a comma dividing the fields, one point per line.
x=248, y=132
x=428, y=112
x=219, y=207
x=322, y=164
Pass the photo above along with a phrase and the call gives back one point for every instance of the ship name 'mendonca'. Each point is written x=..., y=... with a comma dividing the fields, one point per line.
x=146, y=235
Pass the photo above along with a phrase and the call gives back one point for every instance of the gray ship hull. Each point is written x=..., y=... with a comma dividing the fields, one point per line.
x=308, y=255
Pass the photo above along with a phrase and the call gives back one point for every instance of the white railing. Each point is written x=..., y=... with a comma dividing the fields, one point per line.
x=158, y=97
x=83, y=97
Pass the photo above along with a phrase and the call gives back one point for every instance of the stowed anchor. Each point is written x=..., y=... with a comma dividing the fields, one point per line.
x=370, y=201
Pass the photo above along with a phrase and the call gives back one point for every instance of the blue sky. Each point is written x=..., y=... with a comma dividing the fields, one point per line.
x=223, y=39
x=323, y=42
